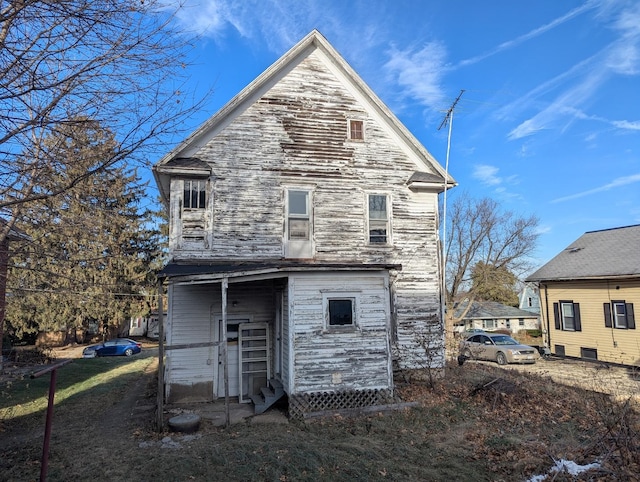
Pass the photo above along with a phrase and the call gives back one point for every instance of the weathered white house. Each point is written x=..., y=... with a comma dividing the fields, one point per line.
x=304, y=233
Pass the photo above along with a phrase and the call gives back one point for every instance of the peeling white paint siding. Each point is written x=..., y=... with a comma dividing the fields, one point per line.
x=194, y=311
x=295, y=134
x=329, y=359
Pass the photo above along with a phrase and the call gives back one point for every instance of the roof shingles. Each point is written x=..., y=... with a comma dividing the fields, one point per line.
x=610, y=253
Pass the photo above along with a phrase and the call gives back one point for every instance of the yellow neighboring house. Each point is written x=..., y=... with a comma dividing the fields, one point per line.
x=587, y=297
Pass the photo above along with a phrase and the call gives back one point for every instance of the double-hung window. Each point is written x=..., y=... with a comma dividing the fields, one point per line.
x=619, y=314
x=298, y=205
x=567, y=316
x=298, y=235
x=378, y=230
x=193, y=217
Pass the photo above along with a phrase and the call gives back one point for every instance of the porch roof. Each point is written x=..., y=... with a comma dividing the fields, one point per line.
x=219, y=270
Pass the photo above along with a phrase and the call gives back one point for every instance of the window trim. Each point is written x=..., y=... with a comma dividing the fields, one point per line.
x=388, y=207
x=351, y=296
x=559, y=317
x=611, y=319
x=306, y=216
x=351, y=131
x=201, y=197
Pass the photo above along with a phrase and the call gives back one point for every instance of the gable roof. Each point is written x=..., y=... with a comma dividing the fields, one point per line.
x=609, y=253
x=492, y=310
x=313, y=42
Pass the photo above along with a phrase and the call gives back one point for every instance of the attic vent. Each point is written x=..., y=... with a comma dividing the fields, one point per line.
x=574, y=250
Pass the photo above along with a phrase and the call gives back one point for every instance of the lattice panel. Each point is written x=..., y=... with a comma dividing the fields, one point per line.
x=323, y=401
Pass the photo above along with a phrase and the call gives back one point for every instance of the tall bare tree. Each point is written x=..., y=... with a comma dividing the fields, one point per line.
x=485, y=247
x=68, y=62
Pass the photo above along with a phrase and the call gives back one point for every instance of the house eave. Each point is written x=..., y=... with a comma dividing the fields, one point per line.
x=631, y=276
x=430, y=186
x=213, y=273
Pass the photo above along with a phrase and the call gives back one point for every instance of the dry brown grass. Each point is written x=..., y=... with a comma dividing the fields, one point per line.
x=479, y=422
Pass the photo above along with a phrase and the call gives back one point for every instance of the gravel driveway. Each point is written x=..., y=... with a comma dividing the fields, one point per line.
x=620, y=382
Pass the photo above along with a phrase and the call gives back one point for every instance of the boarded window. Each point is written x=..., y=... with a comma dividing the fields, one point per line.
x=590, y=353
x=356, y=130
x=378, y=219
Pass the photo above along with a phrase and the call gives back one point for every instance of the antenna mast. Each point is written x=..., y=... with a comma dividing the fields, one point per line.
x=448, y=118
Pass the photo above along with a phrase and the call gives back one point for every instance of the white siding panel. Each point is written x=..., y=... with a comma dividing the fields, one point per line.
x=340, y=360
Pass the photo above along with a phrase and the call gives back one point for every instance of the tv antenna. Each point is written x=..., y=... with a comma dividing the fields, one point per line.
x=448, y=119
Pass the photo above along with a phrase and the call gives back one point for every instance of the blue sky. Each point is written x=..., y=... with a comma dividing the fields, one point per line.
x=549, y=123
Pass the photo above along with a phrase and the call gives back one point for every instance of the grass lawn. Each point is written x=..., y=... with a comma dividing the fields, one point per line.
x=480, y=422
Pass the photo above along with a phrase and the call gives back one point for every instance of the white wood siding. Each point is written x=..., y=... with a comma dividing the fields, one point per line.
x=193, y=311
x=296, y=135
x=337, y=360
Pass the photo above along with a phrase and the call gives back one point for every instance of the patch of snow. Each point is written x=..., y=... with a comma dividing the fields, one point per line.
x=565, y=466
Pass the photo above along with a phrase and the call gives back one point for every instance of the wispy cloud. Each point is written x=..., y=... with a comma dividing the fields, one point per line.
x=278, y=24
x=529, y=35
x=619, y=182
x=583, y=81
x=419, y=72
x=487, y=175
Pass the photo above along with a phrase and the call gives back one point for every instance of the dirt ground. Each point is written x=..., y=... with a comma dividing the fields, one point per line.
x=128, y=423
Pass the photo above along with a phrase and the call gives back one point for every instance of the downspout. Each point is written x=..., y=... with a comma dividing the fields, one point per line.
x=225, y=354
x=546, y=308
x=160, y=395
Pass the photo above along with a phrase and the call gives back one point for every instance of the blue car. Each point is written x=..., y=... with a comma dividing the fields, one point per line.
x=119, y=346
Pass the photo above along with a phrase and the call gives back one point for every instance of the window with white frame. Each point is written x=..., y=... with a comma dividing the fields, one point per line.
x=356, y=130
x=566, y=315
x=378, y=219
x=298, y=215
x=340, y=310
x=619, y=314
x=194, y=215
x=488, y=324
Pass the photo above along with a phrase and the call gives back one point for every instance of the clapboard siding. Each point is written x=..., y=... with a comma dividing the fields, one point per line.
x=332, y=360
x=295, y=135
x=289, y=130
x=193, y=313
x=613, y=345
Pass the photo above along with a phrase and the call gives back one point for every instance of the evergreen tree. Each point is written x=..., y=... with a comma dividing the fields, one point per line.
x=94, y=246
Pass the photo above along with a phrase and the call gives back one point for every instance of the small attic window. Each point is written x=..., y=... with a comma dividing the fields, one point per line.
x=356, y=130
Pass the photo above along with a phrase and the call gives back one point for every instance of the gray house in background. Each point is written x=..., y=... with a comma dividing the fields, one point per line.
x=490, y=316
x=529, y=298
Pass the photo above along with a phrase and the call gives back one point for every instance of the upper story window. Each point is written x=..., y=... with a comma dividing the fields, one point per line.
x=195, y=194
x=356, y=130
x=621, y=314
x=378, y=219
x=298, y=215
x=567, y=316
